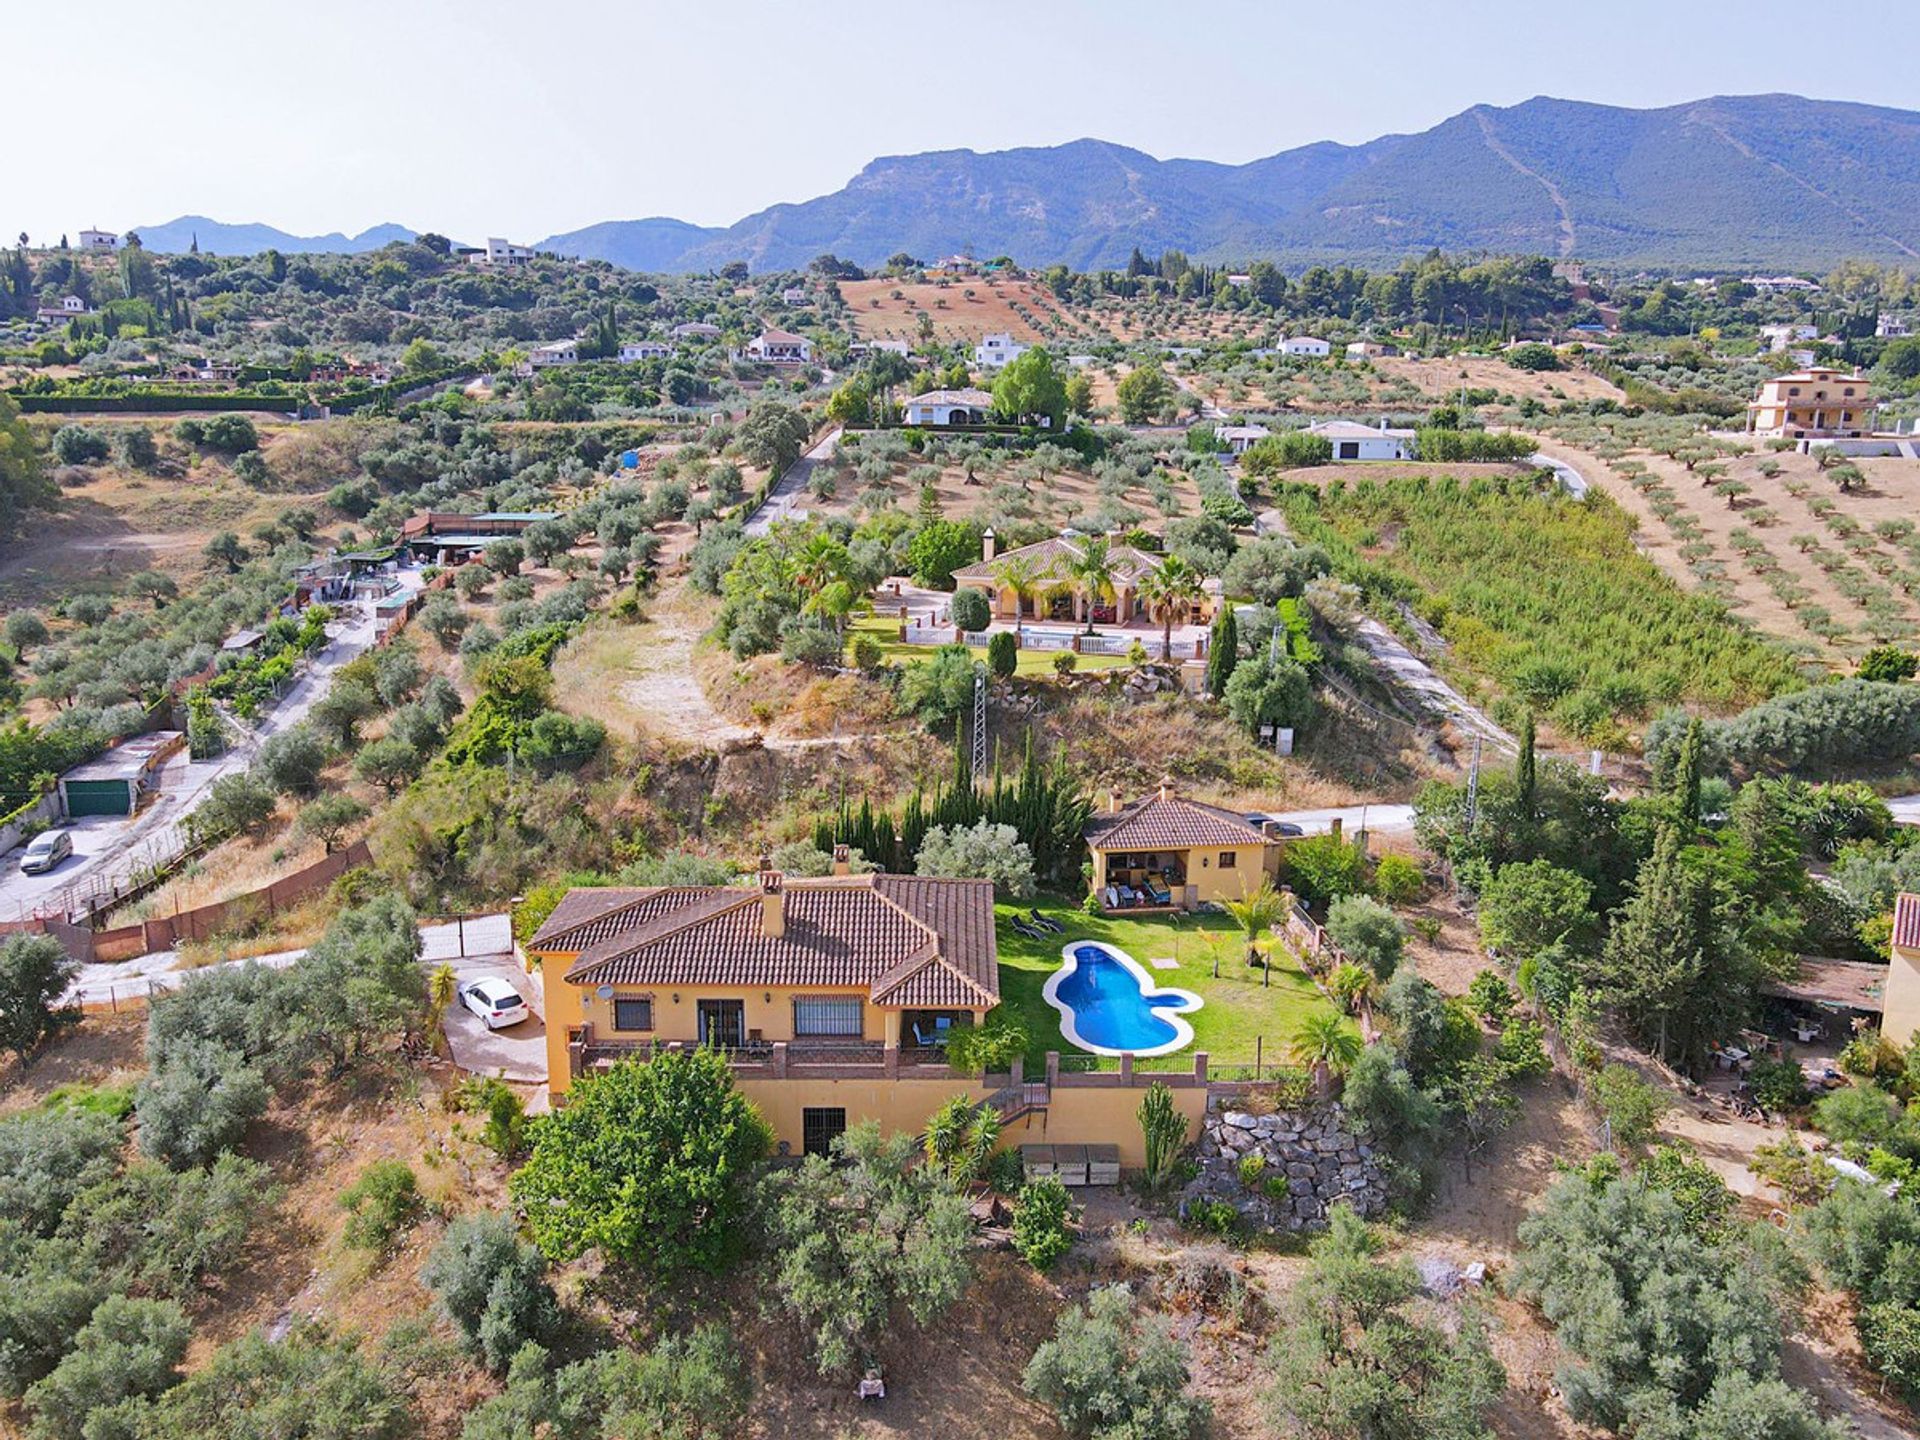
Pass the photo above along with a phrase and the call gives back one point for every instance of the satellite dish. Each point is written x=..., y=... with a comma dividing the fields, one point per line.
x=605, y=992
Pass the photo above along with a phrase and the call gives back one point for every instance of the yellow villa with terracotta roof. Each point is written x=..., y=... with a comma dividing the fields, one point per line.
x=1900, y=1021
x=833, y=998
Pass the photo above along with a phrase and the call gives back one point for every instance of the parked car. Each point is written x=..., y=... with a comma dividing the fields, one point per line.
x=47, y=850
x=494, y=1001
x=1280, y=827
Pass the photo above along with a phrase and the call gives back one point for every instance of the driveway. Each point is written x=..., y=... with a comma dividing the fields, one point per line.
x=1375, y=819
x=475, y=946
x=108, y=850
x=783, y=502
x=1410, y=674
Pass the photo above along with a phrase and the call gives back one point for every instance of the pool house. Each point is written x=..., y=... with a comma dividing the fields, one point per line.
x=1165, y=852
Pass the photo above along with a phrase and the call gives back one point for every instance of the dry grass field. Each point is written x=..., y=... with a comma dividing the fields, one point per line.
x=962, y=311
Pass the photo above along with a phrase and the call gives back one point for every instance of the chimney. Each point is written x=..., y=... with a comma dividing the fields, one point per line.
x=1383, y=424
x=987, y=545
x=1166, y=787
x=842, y=860
x=773, y=904
x=1113, y=802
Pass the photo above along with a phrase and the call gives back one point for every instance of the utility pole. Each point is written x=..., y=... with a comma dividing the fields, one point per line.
x=979, y=720
x=1473, y=786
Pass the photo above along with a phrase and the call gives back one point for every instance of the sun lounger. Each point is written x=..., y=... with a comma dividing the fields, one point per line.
x=1113, y=898
x=1046, y=922
x=1158, y=893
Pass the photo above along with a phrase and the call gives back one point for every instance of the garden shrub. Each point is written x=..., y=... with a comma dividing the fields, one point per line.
x=1043, y=1222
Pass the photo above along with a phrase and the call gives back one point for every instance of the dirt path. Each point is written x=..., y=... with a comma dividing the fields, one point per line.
x=659, y=684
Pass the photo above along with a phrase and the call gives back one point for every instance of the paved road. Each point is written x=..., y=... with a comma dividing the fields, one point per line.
x=784, y=502
x=1427, y=691
x=1376, y=819
x=109, y=849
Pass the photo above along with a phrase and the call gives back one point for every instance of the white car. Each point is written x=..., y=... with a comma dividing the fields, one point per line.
x=47, y=850
x=494, y=1001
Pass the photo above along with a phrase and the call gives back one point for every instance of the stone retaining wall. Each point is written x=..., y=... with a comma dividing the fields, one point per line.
x=1320, y=1156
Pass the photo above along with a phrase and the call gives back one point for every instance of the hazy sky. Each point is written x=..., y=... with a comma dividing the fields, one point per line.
x=525, y=119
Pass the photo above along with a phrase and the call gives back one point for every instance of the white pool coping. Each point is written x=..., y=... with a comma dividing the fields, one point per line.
x=1183, y=1032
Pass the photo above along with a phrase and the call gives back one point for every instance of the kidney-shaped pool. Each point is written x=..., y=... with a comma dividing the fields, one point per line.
x=1108, y=1004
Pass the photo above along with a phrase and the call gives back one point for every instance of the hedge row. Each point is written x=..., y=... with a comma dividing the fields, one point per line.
x=162, y=400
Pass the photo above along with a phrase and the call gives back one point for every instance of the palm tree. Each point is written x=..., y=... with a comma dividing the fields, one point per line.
x=1091, y=572
x=1256, y=914
x=442, y=985
x=1171, y=588
x=1326, y=1039
x=1024, y=574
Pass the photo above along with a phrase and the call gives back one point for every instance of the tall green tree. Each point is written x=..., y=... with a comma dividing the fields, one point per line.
x=650, y=1163
x=34, y=973
x=1687, y=773
x=1525, y=777
x=1223, y=651
x=1030, y=389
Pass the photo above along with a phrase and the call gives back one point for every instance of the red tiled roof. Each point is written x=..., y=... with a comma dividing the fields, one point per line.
x=911, y=941
x=1172, y=823
x=1906, y=922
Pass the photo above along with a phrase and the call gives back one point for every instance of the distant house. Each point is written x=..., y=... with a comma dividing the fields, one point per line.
x=502, y=254
x=1775, y=284
x=793, y=295
x=117, y=782
x=557, y=352
x=948, y=407
x=69, y=308
x=1892, y=327
x=1308, y=347
x=695, y=330
x=1370, y=350
x=1353, y=441
x=1780, y=337
x=635, y=350
x=444, y=537
x=1814, y=403
x=99, y=240
x=1239, y=282
x=1033, y=583
x=995, y=352
x=1238, y=438
x=780, y=347
x=868, y=347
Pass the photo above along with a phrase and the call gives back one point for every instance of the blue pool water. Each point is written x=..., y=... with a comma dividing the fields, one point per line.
x=1108, y=1005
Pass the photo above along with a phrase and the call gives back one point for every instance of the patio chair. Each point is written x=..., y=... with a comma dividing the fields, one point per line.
x=1113, y=898
x=1158, y=892
x=1020, y=927
x=1046, y=922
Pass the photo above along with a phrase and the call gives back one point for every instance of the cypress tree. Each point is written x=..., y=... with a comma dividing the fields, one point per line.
x=1687, y=773
x=1223, y=651
x=1524, y=777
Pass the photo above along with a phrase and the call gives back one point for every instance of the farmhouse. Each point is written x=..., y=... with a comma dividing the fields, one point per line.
x=69, y=308
x=1035, y=582
x=646, y=350
x=1166, y=852
x=1238, y=437
x=1308, y=347
x=445, y=537
x=948, y=407
x=557, y=352
x=868, y=347
x=1810, y=404
x=780, y=347
x=997, y=350
x=695, y=330
x=1902, y=1022
x=1370, y=350
x=793, y=295
x=1353, y=441
x=99, y=240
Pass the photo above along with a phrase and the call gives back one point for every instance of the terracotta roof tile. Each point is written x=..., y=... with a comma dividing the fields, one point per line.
x=911, y=941
x=1906, y=922
x=1172, y=823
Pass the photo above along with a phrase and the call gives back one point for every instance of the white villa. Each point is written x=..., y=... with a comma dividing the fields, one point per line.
x=69, y=307
x=996, y=351
x=501, y=252
x=1238, y=438
x=1306, y=347
x=793, y=295
x=868, y=347
x=646, y=350
x=1779, y=337
x=1354, y=441
x=780, y=347
x=545, y=357
x=1370, y=349
x=948, y=407
x=99, y=240
x=695, y=330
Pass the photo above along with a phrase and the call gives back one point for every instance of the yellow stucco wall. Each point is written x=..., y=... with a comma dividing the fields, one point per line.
x=1900, y=1022
x=1210, y=879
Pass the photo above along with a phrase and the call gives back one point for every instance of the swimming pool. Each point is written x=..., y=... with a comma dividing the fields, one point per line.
x=1108, y=1004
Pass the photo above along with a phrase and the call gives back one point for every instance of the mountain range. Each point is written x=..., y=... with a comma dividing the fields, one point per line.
x=1724, y=183
x=215, y=237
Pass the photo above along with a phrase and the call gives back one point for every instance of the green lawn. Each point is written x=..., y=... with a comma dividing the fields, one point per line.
x=1238, y=1008
x=1032, y=662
